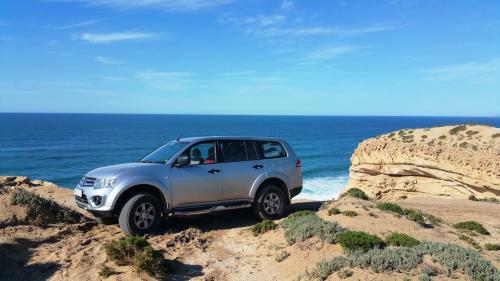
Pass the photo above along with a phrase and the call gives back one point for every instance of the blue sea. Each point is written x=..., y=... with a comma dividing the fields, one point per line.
x=62, y=147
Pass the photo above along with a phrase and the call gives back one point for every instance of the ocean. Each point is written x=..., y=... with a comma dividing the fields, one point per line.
x=62, y=147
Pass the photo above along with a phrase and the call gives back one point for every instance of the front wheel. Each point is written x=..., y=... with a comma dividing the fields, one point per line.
x=270, y=203
x=140, y=215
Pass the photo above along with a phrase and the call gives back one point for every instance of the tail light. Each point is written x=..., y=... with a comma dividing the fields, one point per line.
x=298, y=164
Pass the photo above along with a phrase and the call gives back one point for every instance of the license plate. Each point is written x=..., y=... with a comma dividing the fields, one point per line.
x=78, y=192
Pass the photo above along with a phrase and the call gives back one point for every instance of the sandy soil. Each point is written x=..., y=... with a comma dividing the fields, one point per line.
x=220, y=246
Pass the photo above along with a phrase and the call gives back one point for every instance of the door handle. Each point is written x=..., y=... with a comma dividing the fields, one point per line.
x=214, y=171
x=258, y=166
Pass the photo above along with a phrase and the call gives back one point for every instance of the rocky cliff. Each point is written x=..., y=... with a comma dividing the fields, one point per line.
x=450, y=161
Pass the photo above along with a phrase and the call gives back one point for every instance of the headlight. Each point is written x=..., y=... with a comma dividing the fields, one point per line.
x=105, y=183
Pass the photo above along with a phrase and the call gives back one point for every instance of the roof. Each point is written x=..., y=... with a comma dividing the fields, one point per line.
x=201, y=138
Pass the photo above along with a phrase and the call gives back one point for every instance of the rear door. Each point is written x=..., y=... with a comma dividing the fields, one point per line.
x=241, y=167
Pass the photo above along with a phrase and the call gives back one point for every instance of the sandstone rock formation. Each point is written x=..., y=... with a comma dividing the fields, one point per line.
x=450, y=161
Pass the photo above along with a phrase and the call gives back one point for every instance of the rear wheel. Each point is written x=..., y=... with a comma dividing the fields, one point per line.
x=140, y=215
x=270, y=203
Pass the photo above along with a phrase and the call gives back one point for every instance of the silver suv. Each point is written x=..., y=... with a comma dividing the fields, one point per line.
x=193, y=176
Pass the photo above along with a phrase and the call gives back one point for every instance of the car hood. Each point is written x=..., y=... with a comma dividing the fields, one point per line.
x=116, y=170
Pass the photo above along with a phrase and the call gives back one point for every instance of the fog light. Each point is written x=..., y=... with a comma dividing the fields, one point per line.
x=97, y=200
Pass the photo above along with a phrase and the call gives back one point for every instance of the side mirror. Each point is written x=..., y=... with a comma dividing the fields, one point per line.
x=183, y=160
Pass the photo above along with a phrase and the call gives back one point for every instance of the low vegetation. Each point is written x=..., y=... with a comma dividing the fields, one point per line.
x=105, y=271
x=472, y=226
x=333, y=211
x=350, y=213
x=494, y=136
x=301, y=227
x=401, y=240
x=42, y=211
x=344, y=273
x=491, y=199
x=301, y=213
x=136, y=251
x=414, y=216
x=263, y=227
x=282, y=256
x=354, y=241
x=404, y=259
x=457, y=129
x=410, y=214
x=492, y=247
x=469, y=240
x=356, y=193
x=391, y=207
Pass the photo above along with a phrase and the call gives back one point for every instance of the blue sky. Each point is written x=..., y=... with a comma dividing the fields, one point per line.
x=394, y=57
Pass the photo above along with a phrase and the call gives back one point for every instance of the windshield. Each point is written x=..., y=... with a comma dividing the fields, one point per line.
x=164, y=153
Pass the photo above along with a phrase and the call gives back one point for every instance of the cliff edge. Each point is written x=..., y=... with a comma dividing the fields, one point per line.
x=450, y=161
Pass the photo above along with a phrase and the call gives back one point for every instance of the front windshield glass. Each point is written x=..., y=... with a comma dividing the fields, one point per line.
x=164, y=153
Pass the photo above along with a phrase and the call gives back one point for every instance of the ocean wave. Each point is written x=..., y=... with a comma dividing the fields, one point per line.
x=323, y=188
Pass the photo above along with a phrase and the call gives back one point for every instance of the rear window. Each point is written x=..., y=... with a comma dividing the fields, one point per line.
x=233, y=151
x=270, y=149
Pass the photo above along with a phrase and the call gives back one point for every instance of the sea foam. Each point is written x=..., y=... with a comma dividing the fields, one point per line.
x=323, y=188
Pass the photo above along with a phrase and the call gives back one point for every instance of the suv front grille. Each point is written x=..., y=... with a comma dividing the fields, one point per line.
x=87, y=181
x=82, y=199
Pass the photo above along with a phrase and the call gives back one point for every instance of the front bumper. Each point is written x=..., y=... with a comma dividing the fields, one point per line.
x=94, y=200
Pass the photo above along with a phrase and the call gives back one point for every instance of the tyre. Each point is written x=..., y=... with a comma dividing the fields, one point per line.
x=140, y=215
x=270, y=203
x=104, y=220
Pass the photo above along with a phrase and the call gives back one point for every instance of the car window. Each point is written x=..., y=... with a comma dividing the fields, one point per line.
x=251, y=152
x=201, y=153
x=271, y=149
x=233, y=150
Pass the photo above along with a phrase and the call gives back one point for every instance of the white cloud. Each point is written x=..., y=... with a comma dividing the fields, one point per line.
x=165, y=81
x=260, y=20
x=169, y=5
x=99, y=38
x=287, y=5
x=105, y=60
x=76, y=25
x=465, y=70
x=330, y=53
x=325, y=30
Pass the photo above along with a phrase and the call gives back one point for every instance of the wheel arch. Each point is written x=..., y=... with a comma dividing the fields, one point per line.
x=136, y=189
x=274, y=181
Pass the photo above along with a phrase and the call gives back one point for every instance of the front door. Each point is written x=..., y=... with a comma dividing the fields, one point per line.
x=201, y=180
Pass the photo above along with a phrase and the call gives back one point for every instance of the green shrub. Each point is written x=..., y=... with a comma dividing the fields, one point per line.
x=301, y=213
x=282, y=256
x=491, y=199
x=424, y=277
x=469, y=240
x=391, y=207
x=403, y=259
x=442, y=137
x=105, y=271
x=344, y=273
x=414, y=216
x=42, y=211
x=497, y=135
x=352, y=241
x=135, y=250
x=350, y=213
x=356, y=193
x=457, y=129
x=401, y=240
x=492, y=247
x=470, y=133
x=300, y=228
x=263, y=227
x=433, y=219
x=333, y=211
x=472, y=225
x=463, y=144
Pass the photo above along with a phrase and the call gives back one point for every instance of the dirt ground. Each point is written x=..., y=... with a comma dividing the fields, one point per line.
x=219, y=246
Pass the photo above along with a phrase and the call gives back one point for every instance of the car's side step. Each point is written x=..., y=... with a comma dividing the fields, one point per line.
x=198, y=211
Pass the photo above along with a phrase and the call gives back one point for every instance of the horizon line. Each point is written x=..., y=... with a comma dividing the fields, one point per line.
x=276, y=115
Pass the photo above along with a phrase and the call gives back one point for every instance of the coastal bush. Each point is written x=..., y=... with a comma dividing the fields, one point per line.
x=105, y=271
x=457, y=129
x=424, y=277
x=414, y=216
x=352, y=241
x=356, y=193
x=263, y=227
x=42, y=211
x=494, y=136
x=469, y=240
x=300, y=228
x=344, y=273
x=470, y=133
x=301, y=213
x=282, y=256
x=391, y=207
x=135, y=250
x=350, y=213
x=432, y=219
x=333, y=211
x=442, y=137
x=401, y=240
x=492, y=247
x=490, y=200
x=473, y=226
x=403, y=259
x=463, y=144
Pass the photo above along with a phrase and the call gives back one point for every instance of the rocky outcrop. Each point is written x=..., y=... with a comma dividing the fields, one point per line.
x=450, y=161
